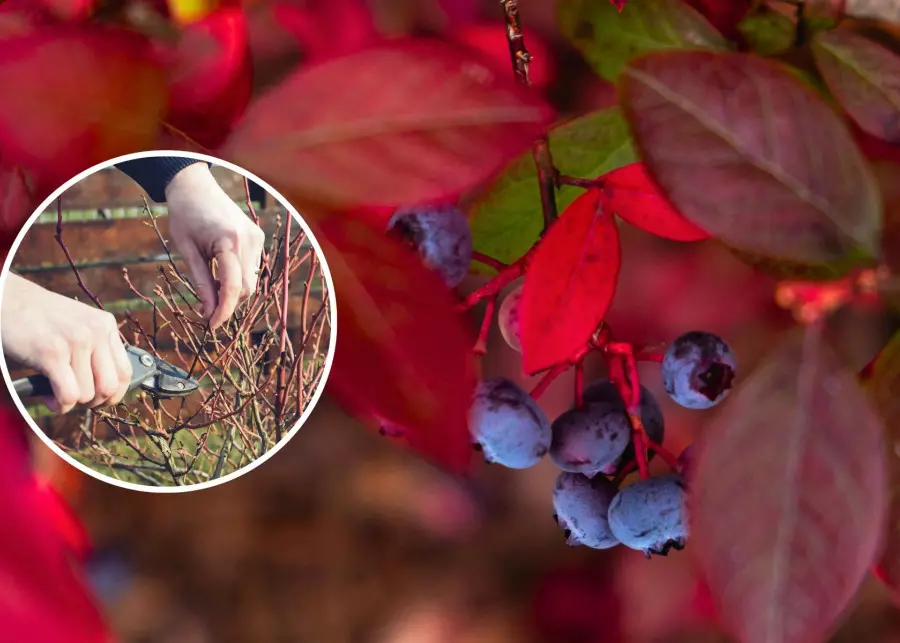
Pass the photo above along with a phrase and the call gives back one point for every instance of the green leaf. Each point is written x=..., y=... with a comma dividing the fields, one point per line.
x=609, y=39
x=749, y=154
x=865, y=78
x=768, y=32
x=507, y=219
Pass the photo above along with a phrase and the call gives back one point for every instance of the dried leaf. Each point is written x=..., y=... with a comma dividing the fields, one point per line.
x=83, y=95
x=883, y=386
x=788, y=497
x=752, y=156
x=570, y=283
x=609, y=37
x=507, y=219
x=865, y=78
x=631, y=194
x=404, y=354
x=404, y=122
x=210, y=77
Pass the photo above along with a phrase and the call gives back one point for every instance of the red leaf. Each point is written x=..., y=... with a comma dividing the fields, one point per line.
x=210, y=77
x=619, y=4
x=736, y=148
x=403, y=122
x=631, y=193
x=44, y=597
x=82, y=96
x=70, y=9
x=404, y=354
x=724, y=15
x=64, y=519
x=570, y=283
x=788, y=498
x=327, y=29
x=18, y=200
x=490, y=40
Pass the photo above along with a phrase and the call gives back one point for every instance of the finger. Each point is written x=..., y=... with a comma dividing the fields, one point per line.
x=229, y=287
x=65, y=388
x=251, y=259
x=106, y=376
x=123, y=367
x=81, y=366
x=202, y=278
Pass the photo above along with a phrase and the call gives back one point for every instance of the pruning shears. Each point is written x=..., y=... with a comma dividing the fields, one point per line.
x=155, y=376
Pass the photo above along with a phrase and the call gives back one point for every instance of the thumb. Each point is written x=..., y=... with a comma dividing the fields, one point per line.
x=202, y=278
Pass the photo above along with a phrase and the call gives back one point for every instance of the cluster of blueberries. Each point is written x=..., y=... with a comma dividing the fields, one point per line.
x=591, y=443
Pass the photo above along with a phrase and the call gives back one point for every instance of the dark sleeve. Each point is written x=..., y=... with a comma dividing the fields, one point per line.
x=154, y=173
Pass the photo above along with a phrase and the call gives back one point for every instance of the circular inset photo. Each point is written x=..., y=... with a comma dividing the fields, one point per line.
x=167, y=321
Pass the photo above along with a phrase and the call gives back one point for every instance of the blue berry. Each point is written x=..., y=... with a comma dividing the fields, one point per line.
x=698, y=370
x=650, y=515
x=509, y=321
x=590, y=439
x=441, y=236
x=651, y=416
x=508, y=425
x=582, y=507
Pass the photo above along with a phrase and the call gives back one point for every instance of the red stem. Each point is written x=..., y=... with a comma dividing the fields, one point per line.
x=65, y=249
x=488, y=261
x=285, y=274
x=481, y=344
x=505, y=277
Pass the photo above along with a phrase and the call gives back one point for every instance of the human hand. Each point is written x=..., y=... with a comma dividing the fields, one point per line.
x=75, y=345
x=206, y=224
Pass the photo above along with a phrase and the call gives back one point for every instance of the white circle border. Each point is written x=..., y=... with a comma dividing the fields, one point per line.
x=329, y=358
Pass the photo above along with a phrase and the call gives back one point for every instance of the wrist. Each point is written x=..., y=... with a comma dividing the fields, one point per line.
x=187, y=181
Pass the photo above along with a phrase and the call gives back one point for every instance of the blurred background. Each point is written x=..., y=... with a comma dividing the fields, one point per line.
x=343, y=537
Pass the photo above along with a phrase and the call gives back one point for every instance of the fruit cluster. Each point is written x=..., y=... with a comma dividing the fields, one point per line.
x=601, y=438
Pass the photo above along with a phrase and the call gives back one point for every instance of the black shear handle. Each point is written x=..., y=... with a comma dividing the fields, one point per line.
x=33, y=386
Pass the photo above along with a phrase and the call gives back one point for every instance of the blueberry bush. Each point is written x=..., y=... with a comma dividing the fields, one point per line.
x=768, y=128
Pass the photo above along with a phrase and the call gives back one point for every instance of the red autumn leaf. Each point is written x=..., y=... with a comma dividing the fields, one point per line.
x=404, y=355
x=570, y=283
x=788, y=496
x=51, y=601
x=82, y=96
x=631, y=194
x=18, y=200
x=403, y=122
x=70, y=9
x=865, y=77
x=724, y=15
x=491, y=41
x=64, y=519
x=210, y=77
x=882, y=384
x=619, y=4
x=327, y=29
x=874, y=149
x=733, y=140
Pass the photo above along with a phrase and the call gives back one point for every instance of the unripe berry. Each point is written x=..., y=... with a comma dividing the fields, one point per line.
x=582, y=508
x=508, y=319
x=508, y=425
x=650, y=515
x=590, y=439
x=441, y=236
x=698, y=370
x=651, y=416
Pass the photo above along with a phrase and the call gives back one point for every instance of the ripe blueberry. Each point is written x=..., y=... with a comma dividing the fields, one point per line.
x=441, y=236
x=651, y=416
x=508, y=319
x=698, y=370
x=590, y=439
x=507, y=423
x=582, y=507
x=650, y=515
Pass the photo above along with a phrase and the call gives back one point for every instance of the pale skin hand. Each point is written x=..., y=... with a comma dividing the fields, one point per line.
x=77, y=346
x=206, y=224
